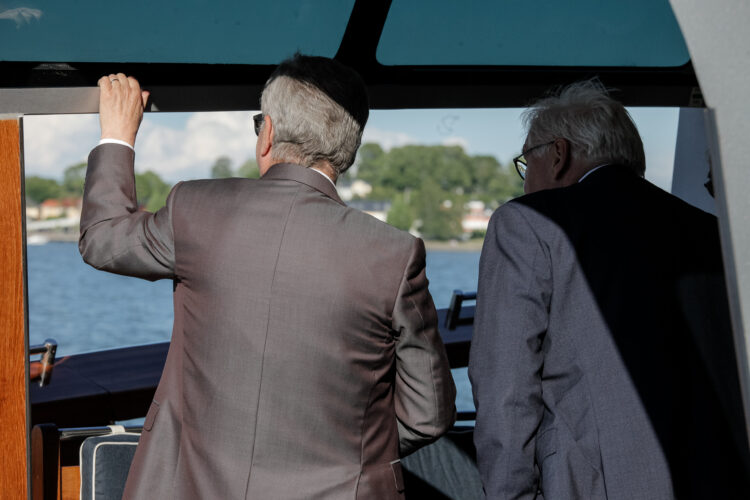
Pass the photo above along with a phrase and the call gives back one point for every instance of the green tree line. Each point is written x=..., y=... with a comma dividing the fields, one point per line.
x=222, y=168
x=151, y=189
x=429, y=185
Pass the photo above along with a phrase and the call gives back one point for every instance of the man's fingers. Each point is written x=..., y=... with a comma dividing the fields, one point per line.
x=119, y=80
x=133, y=83
x=126, y=87
x=104, y=83
x=121, y=107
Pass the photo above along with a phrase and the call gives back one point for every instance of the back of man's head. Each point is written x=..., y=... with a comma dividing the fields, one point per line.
x=318, y=108
x=598, y=128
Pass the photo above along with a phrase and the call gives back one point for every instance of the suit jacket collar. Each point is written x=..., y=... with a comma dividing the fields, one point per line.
x=298, y=173
x=608, y=171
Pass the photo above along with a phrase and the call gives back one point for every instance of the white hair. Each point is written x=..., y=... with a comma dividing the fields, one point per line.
x=309, y=126
x=599, y=129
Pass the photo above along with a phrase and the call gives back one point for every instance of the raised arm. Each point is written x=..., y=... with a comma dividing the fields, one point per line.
x=115, y=236
x=506, y=355
x=424, y=393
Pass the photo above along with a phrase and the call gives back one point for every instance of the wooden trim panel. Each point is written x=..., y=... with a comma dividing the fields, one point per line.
x=14, y=479
x=70, y=479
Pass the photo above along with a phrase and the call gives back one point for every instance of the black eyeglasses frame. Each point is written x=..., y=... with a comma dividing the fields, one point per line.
x=520, y=162
x=258, y=122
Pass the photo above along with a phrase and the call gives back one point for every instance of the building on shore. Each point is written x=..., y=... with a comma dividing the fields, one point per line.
x=67, y=208
x=477, y=217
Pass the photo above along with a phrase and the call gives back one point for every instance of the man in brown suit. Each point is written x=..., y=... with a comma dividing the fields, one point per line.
x=305, y=357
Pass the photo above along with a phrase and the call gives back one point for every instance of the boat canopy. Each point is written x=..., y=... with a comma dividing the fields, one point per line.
x=439, y=53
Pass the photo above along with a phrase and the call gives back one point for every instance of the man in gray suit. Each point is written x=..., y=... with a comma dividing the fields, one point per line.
x=305, y=357
x=602, y=361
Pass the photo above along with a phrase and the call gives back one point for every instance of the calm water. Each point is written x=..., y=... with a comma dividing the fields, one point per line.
x=89, y=310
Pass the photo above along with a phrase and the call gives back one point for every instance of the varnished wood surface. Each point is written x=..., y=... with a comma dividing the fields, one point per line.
x=45, y=462
x=70, y=479
x=13, y=431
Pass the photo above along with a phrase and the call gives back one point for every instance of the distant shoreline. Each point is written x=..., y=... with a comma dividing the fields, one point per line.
x=54, y=236
x=474, y=245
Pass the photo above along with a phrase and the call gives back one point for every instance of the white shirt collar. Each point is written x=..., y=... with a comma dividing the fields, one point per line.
x=324, y=175
x=593, y=170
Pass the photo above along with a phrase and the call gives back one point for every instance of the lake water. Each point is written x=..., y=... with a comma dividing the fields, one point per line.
x=89, y=310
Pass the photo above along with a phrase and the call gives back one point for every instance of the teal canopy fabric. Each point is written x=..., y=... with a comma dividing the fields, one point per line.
x=153, y=31
x=610, y=33
x=642, y=33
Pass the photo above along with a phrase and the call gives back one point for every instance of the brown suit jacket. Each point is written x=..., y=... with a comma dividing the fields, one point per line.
x=305, y=356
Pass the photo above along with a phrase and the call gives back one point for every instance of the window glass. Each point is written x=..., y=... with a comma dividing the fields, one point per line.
x=439, y=173
x=532, y=33
x=191, y=31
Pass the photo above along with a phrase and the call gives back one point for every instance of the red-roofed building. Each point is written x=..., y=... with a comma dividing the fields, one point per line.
x=54, y=208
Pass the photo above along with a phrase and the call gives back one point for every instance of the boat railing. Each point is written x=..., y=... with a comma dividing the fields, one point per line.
x=97, y=388
x=453, y=317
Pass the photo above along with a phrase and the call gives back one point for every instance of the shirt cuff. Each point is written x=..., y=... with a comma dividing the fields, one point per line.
x=116, y=141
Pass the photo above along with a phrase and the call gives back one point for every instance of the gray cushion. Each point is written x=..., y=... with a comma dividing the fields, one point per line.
x=105, y=462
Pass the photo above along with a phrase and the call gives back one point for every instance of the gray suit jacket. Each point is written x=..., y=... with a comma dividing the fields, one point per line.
x=305, y=357
x=602, y=362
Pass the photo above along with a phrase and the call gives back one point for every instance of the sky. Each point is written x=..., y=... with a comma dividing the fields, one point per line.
x=182, y=146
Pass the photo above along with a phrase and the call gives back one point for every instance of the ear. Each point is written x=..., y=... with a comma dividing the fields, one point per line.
x=265, y=141
x=561, y=165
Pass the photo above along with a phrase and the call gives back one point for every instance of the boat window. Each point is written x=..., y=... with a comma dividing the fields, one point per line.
x=641, y=33
x=437, y=172
x=192, y=31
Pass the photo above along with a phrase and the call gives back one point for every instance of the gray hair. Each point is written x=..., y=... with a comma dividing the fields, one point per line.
x=599, y=129
x=318, y=108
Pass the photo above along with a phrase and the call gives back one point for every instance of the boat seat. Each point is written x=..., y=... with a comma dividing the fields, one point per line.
x=83, y=462
x=445, y=469
x=105, y=463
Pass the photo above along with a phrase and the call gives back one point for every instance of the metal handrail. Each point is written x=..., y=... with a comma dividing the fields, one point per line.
x=453, y=316
x=48, y=351
x=84, y=432
x=464, y=416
